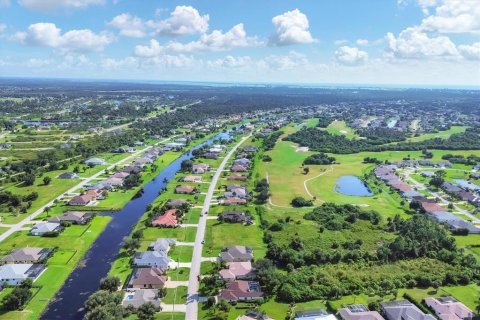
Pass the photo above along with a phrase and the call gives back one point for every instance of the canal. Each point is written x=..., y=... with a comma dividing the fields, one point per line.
x=84, y=280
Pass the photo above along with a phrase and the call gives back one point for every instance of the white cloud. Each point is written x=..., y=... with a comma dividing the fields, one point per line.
x=182, y=21
x=292, y=61
x=350, y=56
x=412, y=43
x=231, y=62
x=340, y=42
x=362, y=42
x=129, y=26
x=4, y=3
x=470, y=52
x=49, y=35
x=151, y=50
x=453, y=16
x=3, y=26
x=110, y=63
x=236, y=37
x=291, y=27
x=48, y=5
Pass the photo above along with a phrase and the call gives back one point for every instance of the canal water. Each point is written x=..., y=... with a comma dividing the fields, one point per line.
x=84, y=280
x=352, y=186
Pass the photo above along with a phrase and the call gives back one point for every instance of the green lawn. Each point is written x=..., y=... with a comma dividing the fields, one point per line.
x=176, y=295
x=441, y=134
x=341, y=128
x=71, y=246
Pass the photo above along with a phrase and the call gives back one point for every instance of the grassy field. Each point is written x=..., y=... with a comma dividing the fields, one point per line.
x=441, y=134
x=340, y=128
x=70, y=246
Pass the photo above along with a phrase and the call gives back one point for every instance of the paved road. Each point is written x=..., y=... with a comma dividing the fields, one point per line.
x=193, y=283
x=18, y=226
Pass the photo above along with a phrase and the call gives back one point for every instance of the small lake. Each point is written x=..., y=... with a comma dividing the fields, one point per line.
x=352, y=186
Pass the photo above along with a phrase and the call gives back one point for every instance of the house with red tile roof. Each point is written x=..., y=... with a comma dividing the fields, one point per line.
x=237, y=271
x=447, y=308
x=147, y=278
x=241, y=291
x=168, y=219
x=185, y=189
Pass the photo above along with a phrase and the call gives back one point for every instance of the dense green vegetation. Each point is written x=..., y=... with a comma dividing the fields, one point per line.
x=319, y=158
x=322, y=141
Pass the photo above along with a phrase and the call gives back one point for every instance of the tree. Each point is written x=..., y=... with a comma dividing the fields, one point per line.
x=110, y=283
x=186, y=165
x=47, y=180
x=29, y=179
x=131, y=244
x=146, y=311
x=47, y=210
x=306, y=170
x=301, y=202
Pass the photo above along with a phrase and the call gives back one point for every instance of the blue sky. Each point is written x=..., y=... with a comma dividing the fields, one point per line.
x=418, y=42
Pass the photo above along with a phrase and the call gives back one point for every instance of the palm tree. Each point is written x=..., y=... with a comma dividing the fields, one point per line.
x=47, y=210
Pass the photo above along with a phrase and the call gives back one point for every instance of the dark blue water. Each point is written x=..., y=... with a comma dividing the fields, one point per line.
x=84, y=280
x=352, y=186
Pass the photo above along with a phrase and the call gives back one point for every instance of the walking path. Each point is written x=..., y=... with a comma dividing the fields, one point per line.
x=317, y=176
x=193, y=282
x=18, y=226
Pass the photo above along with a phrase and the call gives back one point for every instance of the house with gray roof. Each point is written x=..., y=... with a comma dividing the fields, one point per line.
x=44, y=228
x=158, y=259
x=403, y=310
x=162, y=244
x=138, y=297
x=236, y=254
x=27, y=255
x=15, y=274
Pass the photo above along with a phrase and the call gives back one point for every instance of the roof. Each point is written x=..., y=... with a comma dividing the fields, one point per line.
x=44, y=227
x=148, y=276
x=236, y=269
x=175, y=203
x=404, y=310
x=169, y=218
x=237, y=253
x=314, y=314
x=449, y=308
x=184, y=189
x=239, y=290
x=163, y=244
x=359, y=312
x=431, y=207
x=29, y=254
x=20, y=271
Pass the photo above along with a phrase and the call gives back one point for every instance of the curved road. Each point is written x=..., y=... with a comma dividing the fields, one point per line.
x=193, y=283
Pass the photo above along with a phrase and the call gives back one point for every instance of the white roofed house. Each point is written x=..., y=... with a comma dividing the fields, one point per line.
x=157, y=259
x=15, y=274
x=43, y=228
x=162, y=244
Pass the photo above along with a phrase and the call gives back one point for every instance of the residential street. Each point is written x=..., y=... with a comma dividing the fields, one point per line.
x=193, y=283
x=18, y=226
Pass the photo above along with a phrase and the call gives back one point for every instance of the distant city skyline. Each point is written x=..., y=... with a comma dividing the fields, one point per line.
x=377, y=42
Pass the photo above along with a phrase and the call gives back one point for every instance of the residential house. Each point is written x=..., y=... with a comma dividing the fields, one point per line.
x=112, y=182
x=238, y=168
x=235, y=217
x=250, y=149
x=242, y=161
x=253, y=315
x=162, y=244
x=157, y=259
x=185, y=190
x=210, y=155
x=95, y=161
x=192, y=179
x=447, y=308
x=358, y=312
x=233, y=201
x=43, y=228
x=237, y=271
x=176, y=203
x=241, y=291
x=236, y=254
x=138, y=297
x=167, y=220
x=68, y=175
x=147, y=278
x=27, y=255
x=314, y=314
x=236, y=192
x=75, y=217
x=15, y=274
x=237, y=177
x=120, y=174
x=200, y=168
x=403, y=309
x=81, y=200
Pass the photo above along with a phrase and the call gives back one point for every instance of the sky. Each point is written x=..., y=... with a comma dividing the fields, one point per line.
x=391, y=42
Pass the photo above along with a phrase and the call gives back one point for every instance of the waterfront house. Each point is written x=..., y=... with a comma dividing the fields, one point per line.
x=138, y=297
x=15, y=274
x=43, y=228
x=27, y=255
x=147, y=278
x=157, y=259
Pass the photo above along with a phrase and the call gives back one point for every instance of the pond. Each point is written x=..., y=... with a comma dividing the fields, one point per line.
x=352, y=186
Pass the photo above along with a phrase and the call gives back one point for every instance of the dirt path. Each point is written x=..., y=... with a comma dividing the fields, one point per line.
x=317, y=176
